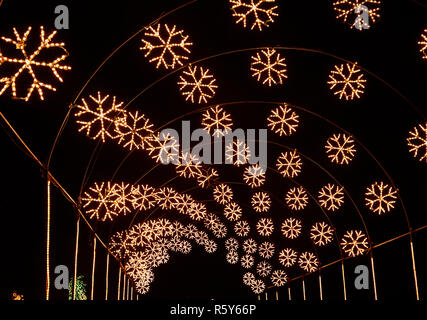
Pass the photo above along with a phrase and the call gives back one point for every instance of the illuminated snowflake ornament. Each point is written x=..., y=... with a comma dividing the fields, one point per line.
x=283, y=120
x=166, y=46
x=232, y=211
x=237, y=153
x=279, y=278
x=321, y=234
x=120, y=245
x=289, y=164
x=133, y=131
x=217, y=121
x=167, y=198
x=417, y=142
x=347, y=80
x=242, y=228
x=163, y=148
x=247, y=261
x=27, y=64
x=266, y=250
x=259, y=13
x=263, y=268
x=265, y=227
x=143, y=197
x=331, y=197
x=354, y=243
x=248, y=278
x=257, y=286
x=268, y=67
x=380, y=197
x=308, y=262
x=250, y=246
x=261, y=202
x=423, y=44
x=254, y=176
x=189, y=166
x=340, y=148
x=197, y=84
x=358, y=13
x=296, y=198
x=288, y=257
x=291, y=228
x=222, y=194
x=232, y=257
x=97, y=119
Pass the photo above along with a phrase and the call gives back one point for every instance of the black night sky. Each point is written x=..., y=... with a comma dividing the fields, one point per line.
x=380, y=119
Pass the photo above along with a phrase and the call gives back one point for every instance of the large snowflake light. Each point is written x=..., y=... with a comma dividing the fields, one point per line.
x=268, y=67
x=380, y=197
x=321, y=234
x=340, y=148
x=291, y=228
x=331, y=197
x=197, y=84
x=308, y=262
x=261, y=202
x=289, y=164
x=133, y=131
x=417, y=142
x=258, y=12
x=167, y=46
x=296, y=198
x=222, y=193
x=354, y=243
x=217, y=121
x=27, y=64
x=265, y=227
x=283, y=120
x=237, y=153
x=347, y=80
x=288, y=257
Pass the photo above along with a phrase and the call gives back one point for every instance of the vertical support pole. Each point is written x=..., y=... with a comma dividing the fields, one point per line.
x=343, y=280
x=277, y=295
x=266, y=296
x=127, y=289
x=303, y=289
x=131, y=293
x=414, y=269
x=76, y=253
x=320, y=287
x=48, y=242
x=374, y=281
x=118, y=285
x=289, y=293
x=93, y=267
x=106, y=276
x=124, y=286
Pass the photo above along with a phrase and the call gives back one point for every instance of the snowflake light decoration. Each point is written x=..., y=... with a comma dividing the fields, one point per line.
x=232, y=211
x=231, y=244
x=308, y=262
x=423, y=44
x=354, y=243
x=232, y=257
x=222, y=194
x=352, y=12
x=167, y=198
x=143, y=197
x=283, y=120
x=263, y=268
x=254, y=176
x=289, y=164
x=340, y=148
x=268, y=67
x=184, y=203
x=265, y=227
x=331, y=197
x=198, y=84
x=248, y=278
x=247, y=261
x=279, y=278
x=120, y=244
x=99, y=120
x=258, y=286
x=27, y=63
x=122, y=202
x=417, y=142
x=261, y=202
x=347, y=80
x=207, y=177
x=163, y=148
x=189, y=166
x=296, y=198
x=258, y=12
x=167, y=46
x=197, y=211
x=291, y=228
x=288, y=257
x=210, y=246
x=133, y=131
x=217, y=121
x=266, y=250
x=242, y=228
x=250, y=246
x=380, y=197
x=321, y=234
x=237, y=153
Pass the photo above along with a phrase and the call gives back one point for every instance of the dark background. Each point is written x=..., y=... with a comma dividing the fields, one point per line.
x=381, y=120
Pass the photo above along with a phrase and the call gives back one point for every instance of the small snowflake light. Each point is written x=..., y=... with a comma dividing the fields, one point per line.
x=120, y=244
x=248, y=278
x=340, y=148
x=237, y=153
x=184, y=203
x=197, y=84
x=265, y=227
x=28, y=64
x=98, y=120
x=167, y=198
x=163, y=148
x=417, y=142
x=233, y=211
x=380, y=197
x=261, y=202
x=354, y=243
x=210, y=246
x=283, y=120
x=279, y=278
x=166, y=46
x=331, y=197
x=308, y=262
x=217, y=121
x=289, y=164
x=266, y=250
x=254, y=176
x=258, y=13
x=207, y=177
x=222, y=194
x=321, y=234
x=296, y=198
x=347, y=80
x=133, y=131
x=189, y=166
x=250, y=246
x=231, y=244
x=357, y=13
x=242, y=228
x=268, y=67
x=197, y=211
x=247, y=261
x=423, y=44
x=291, y=228
x=232, y=257
x=288, y=257
x=264, y=268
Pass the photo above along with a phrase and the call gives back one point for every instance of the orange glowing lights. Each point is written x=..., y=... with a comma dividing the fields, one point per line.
x=296, y=198
x=261, y=202
x=340, y=148
x=291, y=228
x=331, y=197
x=254, y=176
x=268, y=67
x=237, y=153
x=321, y=234
x=289, y=164
x=232, y=211
x=353, y=12
x=197, y=84
x=288, y=257
x=265, y=227
x=354, y=243
x=380, y=197
x=258, y=13
x=217, y=121
x=133, y=131
x=222, y=194
x=279, y=278
x=417, y=142
x=308, y=262
x=423, y=44
x=27, y=64
x=347, y=80
x=283, y=120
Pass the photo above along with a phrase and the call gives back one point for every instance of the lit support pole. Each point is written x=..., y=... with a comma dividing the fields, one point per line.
x=289, y=293
x=106, y=276
x=124, y=286
x=118, y=285
x=303, y=289
x=131, y=293
x=277, y=295
x=320, y=287
x=93, y=268
x=127, y=289
x=343, y=280
x=414, y=267
x=76, y=253
x=266, y=296
x=374, y=281
x=48, y=242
